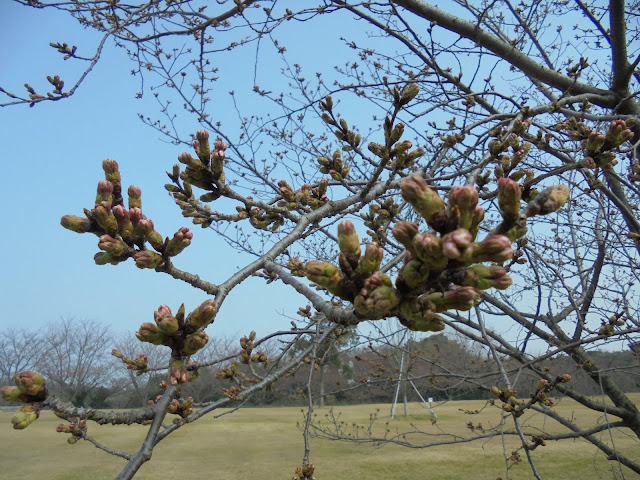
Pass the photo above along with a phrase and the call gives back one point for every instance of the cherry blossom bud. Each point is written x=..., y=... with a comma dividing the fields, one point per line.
x=418, y=315
x=426, y=202
x=194, y=342
x=112, y=174
x=102, y=258
x=548, y=201
x=147, y=259
x=113, y=246
x=178, y=372
x=31, y=383
x=165, y=320
x=149, y=333
x=75, y=223
x=509, y=194
x=181, y=240
x=455, y=243
x=404, y=232
x=463, y=201
x=203, y=315
x=324, y=274
x=371, y=260
x=135, y=197
x=377, y=298
x=429, y=248
x=105, y=219
x=495, y=248
x=348, y=240
x=104, y=193
x=125, y=227
x=25, y=416
x=414, y=273
x=461, y=298
x=483, y=277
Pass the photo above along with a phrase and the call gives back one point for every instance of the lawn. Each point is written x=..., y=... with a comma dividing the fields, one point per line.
x=266, y=444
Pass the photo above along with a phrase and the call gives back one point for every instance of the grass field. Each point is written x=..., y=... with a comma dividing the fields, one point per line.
x=265, y=444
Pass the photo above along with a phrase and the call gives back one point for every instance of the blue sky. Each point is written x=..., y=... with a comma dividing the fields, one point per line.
x=51, y=157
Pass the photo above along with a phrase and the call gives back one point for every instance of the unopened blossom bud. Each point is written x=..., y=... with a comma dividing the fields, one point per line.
x=165, y=320
x=25, y=416
x=414, y=273
x=135, y=197
x=404, y=232
x=377, y=298
x=31, y=383
x=189, y=161
x=495, y=248
x=194, y=342
x=348, y=240
x=147, y=259
x=104, y=193
x=483, y=277
x=178, y=372
x=426, y=202
x=565, y=378
x=371, y=260
x=324, y=274
x=495, y=391
x=149, y=333
x=125, y=227
x=181, y=240
x=75, y=223
x=202, y=315
x=102, y=258
x=112, y=173
x=418, y=315
x=463, y=201
x=409, y=93
x=105, y=219
x=454, y=244
x=114, y=246
x=14, y=394
x=509, y=194
x=548, y=201
x=594, y=142
x=461, y=298
x=542, y=384
x=618, y=133
x=428, y=248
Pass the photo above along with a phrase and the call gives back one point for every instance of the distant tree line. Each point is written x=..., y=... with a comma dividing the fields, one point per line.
x=77, y=356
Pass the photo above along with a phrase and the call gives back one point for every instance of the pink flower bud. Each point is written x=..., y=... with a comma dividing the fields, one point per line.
x=324, y=274
x=165, y=320
x=483, y=277
x=461, y=298
x=371, y=260
x=348, y=240
x=147, y=259
x=149, y=333
x=404, y=232
x=203, y=315
x=426, y=202
x=377, y=298
x=548, y=201
x=25, y=416
x=113, y=246
x=135, y=197
x=194, y=342
x=509, y=194
x=455, y=243
x=104, y=193
x=181, y=240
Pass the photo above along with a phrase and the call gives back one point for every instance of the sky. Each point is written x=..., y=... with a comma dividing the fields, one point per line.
x=51, y=158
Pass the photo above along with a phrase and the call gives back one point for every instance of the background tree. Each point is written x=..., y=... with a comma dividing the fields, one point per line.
x=518, y=205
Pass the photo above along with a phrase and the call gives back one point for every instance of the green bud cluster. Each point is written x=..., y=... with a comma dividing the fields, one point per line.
x=599, y=149
x=124, y=232
x=181, y=407
x=183, y=335
x=508, y=149
x=306, y=196
x=138, y=364
x=206, y=172
x=334, y=166
x=378, y=217
x=305, y=472
x=77, y=429
x=30, y=388
x=443, y=267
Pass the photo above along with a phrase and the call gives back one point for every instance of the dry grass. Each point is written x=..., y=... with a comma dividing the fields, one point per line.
x=265, y=443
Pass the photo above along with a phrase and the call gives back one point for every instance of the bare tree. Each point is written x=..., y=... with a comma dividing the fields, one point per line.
x=19, y=350
x=518, y=206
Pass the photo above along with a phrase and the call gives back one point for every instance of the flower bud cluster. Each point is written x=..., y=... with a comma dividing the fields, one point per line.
x=29, y=387
x=206, y=171
x=599, y=149
x=508, y=148
x=138, y=365
x=307, y=196
x=378, y=217
x=442, y=268
x=609, y=326
x=305, y=472
x=246, y=353
x=77, y=429
x=181, y=407
x=334, y=166
x=123, y=232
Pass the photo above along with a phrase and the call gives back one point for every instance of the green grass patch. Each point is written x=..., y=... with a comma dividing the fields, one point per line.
x=265, y=443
